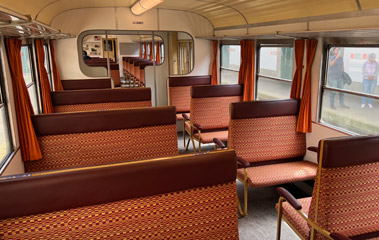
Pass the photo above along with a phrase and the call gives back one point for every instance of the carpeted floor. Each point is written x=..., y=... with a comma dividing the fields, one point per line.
x=260, y=224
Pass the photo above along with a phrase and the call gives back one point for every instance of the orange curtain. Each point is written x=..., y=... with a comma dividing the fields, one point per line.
x=47, y=105
x=296, y=81
x=214, y=80
x=304, y=120
x=140, y=50
x=151, y=51
x=145, y=52
x=56, y=79
x=29, y=145
x=246, y=73
x=158, y=54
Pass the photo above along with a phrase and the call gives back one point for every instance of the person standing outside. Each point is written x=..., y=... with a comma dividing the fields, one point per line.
x=370, y=76
x=336, y=68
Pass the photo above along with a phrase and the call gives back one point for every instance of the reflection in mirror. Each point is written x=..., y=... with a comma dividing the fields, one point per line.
x=120, y=48
x=181, y=56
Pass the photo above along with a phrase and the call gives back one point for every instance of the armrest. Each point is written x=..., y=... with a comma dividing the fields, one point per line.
x=339, y=236
x=289, y=198
x=185, y=116
x=219, y=143
x=313, y=149
x=243, y=162
x=198, y=126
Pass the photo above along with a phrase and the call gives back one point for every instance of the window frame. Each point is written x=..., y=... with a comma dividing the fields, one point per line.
x=327, y=45
x=47, y=55
x=258, y=47
x=5, y=160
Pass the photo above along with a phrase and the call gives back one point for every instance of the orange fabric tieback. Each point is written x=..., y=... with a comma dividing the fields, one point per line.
x=30, y=149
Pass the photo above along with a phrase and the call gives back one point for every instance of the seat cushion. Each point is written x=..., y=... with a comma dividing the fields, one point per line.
x=179, y=116
x=274, y=174
x=294, y=218
x=207, y=137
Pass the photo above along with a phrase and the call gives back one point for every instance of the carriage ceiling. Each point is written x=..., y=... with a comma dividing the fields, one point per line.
x=221, y=13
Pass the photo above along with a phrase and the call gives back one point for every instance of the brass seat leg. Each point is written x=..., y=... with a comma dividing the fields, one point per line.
x=245, y=192
x=184, y=133
x=279, y=224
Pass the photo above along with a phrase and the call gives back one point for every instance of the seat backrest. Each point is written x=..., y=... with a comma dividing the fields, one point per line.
x=101, y=99
x=264, y=131
x=210, y=104
x=346, y=192
x=179, y=89
x=164, y=198
x=91, y=138
x=80, y=84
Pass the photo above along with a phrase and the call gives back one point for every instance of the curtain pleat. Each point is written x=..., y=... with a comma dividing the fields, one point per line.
x=145, y=52
x=47, y=106
x=140, y=50
x=28, y=140
x=214, y=80
x=151, y=51
x=304, y=123
x=296, y=81
x=246, y=72
x=158, y=54
x=56, y=79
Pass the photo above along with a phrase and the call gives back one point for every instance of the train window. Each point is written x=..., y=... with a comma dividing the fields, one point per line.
x=350, y=96
x=6, y=146
x=230, y=63
x=28, y=76
x=47, y=62
x=274, y=75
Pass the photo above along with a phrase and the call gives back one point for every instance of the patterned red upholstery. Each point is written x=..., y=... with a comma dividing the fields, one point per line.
x=266, y=139
x=294, y=218
x=86, y=149
x=199, y=213
x=212, y=112
x=349, y=199
x=101, y=106
x=275, y=174
x=180, y=98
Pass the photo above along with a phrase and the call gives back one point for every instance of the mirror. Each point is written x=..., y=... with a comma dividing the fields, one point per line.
x=181, y=57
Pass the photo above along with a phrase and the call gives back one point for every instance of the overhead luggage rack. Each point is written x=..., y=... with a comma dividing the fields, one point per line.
x=11, y=25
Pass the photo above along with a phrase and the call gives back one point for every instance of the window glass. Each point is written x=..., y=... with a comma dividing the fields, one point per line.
x=230, y=63
x=26, y=65
x=6, y=146
x=28, y=76
x=350, y=97
x=274, y=74
x=47, y=62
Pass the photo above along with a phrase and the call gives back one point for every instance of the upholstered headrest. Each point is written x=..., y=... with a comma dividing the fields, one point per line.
x=37, y=193
x=82, y=122
x=216, y=91
x=349, y=151
x=76, y=84
x=189, y=81
x=100, y=96
x=261, y=109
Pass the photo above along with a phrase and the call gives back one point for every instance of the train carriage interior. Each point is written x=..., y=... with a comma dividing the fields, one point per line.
x=189, y=119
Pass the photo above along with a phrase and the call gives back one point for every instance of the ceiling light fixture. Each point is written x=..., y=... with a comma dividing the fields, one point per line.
x=142, y=6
